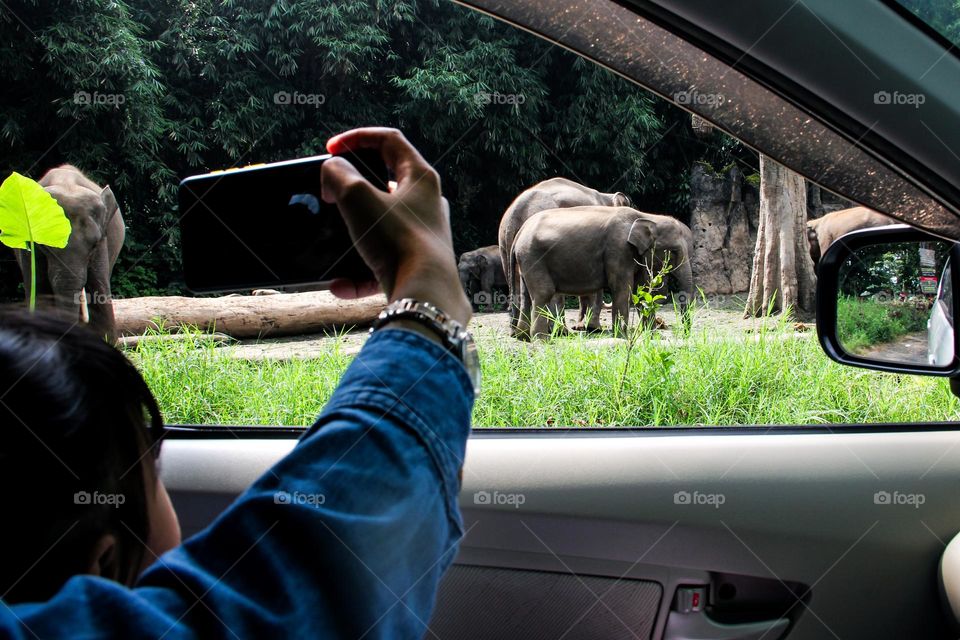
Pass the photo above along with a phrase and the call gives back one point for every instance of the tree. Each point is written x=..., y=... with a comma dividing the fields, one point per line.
x=782, y=277
x=141, y=93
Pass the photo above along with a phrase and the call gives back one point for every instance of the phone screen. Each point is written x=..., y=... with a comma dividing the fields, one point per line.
x=266, y=226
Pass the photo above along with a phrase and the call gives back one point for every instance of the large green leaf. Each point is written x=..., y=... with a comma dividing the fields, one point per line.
x=28, y=214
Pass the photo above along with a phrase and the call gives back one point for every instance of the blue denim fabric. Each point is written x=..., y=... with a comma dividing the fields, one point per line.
x=346, y=537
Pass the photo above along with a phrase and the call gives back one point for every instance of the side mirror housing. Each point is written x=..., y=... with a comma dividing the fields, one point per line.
x=885, y=301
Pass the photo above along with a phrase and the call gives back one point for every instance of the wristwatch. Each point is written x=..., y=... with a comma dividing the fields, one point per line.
x=452, y=334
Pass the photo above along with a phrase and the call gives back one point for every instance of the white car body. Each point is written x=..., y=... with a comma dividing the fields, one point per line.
x=940, y=325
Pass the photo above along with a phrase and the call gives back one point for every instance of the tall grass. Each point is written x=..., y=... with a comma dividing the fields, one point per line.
x=864, y=323
x=769, y=377
x=196, y=382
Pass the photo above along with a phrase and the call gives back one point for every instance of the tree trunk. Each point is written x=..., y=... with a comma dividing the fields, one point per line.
x=247, y=316
x=782, y=276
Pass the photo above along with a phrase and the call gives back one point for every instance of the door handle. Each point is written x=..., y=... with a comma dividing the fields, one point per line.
x=697, y=626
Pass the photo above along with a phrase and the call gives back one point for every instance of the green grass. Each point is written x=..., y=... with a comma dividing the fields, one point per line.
x=769, y=377
x=864, y=323
x=195, y=383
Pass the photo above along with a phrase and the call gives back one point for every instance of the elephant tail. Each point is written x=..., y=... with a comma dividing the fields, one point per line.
x=513, y=278
x=814, y=245
x=515, y=288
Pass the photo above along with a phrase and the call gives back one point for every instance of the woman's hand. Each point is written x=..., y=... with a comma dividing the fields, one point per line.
x=403, y=236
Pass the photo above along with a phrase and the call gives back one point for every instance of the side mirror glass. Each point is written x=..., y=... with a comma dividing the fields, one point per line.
x=885, y=301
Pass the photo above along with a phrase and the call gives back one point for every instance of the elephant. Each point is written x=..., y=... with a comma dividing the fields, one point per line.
x=822, y=232
x=86, y=263
x=480, y=271
x=582, y=250
x=549, y=194
x=673, y=241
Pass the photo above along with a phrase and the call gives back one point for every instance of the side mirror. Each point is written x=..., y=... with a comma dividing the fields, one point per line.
x=885, y=301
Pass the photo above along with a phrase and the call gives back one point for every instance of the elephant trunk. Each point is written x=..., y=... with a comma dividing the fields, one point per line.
x=465, y=281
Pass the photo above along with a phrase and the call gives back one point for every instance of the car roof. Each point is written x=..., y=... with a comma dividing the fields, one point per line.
x=779, y=62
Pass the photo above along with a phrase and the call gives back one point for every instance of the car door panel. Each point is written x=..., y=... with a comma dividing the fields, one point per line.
x=852, y=524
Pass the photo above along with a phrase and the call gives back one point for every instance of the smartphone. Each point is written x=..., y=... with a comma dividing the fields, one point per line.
x=266, y=226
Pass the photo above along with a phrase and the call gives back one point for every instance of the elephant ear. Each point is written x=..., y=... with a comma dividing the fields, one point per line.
x=621, y=199
x=109, y=202
x=641, y=235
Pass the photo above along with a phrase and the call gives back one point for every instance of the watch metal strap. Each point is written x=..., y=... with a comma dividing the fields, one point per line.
x=429, y=315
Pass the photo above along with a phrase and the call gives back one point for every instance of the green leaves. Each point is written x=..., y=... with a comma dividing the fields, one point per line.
x=29, y=215
x=644, y=298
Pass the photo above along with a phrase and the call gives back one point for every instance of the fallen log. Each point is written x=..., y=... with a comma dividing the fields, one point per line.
x=132, y=342
x=247, y=316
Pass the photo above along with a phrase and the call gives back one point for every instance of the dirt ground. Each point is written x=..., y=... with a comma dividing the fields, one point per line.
x=910, y=348
x=723, y=318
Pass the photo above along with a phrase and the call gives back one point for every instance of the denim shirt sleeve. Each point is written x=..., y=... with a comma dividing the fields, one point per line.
x=346, y=537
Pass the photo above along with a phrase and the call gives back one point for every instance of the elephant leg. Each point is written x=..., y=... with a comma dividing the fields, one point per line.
x=98, y=295
x=584, y=311
x=597, y=308
x=621, y=311
x=596, y=305
x=556, y=310
x=538, y=299
x=543, y=317
x=590, y=307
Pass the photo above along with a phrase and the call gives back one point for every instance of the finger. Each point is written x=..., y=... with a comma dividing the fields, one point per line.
x=398, y=154
x=365, y=138
x=349, y=290
x=338, y=177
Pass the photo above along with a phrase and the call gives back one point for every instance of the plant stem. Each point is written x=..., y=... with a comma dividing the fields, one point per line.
x=33, y=277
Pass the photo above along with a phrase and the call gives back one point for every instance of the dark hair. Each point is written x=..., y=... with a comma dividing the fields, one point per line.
x=78, y=425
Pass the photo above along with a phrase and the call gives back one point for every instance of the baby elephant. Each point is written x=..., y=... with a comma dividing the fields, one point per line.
x=480, y=271
x=581, y=250
x=85, y=264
